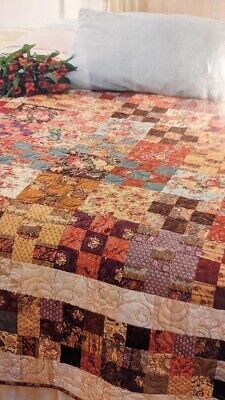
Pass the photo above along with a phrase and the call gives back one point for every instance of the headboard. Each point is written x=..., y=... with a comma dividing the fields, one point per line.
x=204, y=8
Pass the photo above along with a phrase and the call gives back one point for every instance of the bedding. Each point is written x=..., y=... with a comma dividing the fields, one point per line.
x=174, y=55
x=112, y=247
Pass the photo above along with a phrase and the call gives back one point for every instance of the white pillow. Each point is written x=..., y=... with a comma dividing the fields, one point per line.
x=173, y=55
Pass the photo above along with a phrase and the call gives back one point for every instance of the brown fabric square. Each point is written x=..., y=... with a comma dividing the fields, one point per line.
x=159, y=208
x=187, y=203
x=130, y=105
x=175, y=225
x=205, y=367
x=156, y=132
x=150, y=119
x=190, y=138
x=156, y=384
x=159, y=110
x=142, y=113
x=120, y=115
x=178, y=130
x=202, y=218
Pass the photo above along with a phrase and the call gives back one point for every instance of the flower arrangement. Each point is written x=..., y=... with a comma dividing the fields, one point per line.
x=23, y=73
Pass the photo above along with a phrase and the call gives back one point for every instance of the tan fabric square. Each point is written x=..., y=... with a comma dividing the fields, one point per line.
x=51, y=234
x=38, y=212
x=201, y=386
x=49, y=349
x=203, y=293
x=210, y=206
x=9, y=342
x=213, y=251
x=28, y=320
x=23, y=249
x=92, y=343
x=9, y=224
x=221, y=277
x=159, y=364
x=179, y=385
x=180, y=212
x=208, y=170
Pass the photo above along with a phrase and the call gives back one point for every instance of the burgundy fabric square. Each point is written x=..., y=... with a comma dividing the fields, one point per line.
x=132, y=380
x=219, y=300
x=29, y=346
x=8, y=301
x=222, y=351
x=66, y=259
x=111, y=271
x=111, y=373
x=124, y=229
x=81, y=220
x=52, y=329
x=51, y=310
x=94, y=242
x=73, y=315
x=207, y=271
x=94, y=323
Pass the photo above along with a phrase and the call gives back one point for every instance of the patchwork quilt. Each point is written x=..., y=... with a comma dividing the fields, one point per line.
x=112, y=246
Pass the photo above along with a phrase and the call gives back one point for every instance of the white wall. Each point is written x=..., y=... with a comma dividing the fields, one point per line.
x=16, y=14
x=28, y=14
x=72, y=6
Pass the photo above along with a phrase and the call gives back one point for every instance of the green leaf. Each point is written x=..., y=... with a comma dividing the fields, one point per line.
x=52, y=55
x=50, y=75
x=64, y=79
x=24, y=50
x=4, y=71
x=16, y=82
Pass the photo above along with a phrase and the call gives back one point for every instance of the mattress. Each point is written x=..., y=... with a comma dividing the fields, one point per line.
x=112, y=247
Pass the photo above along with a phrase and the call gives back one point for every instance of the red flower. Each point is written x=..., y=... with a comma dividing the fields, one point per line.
x=27, y=70
x=30, y=88
x=52, y=61
x=59, y=88
x=22, y=60
x=57, y=75
x=42, y=68
x=11, y=77
x=63, y=69
x=13, y=67
x=16, y=91
x=43, y=84
x=28, y=76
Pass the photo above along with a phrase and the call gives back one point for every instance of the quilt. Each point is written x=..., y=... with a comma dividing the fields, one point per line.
x=112, y=246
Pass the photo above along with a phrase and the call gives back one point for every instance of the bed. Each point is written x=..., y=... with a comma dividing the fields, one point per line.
x=112, y=247
x=95, y=188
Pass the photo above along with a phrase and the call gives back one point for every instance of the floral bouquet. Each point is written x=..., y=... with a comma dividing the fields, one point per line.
x=23, y=73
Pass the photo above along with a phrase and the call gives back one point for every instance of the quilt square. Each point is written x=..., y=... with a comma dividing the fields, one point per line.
x=13, y=179
x=129, y=204
x=195, y=186
x=58, y=190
